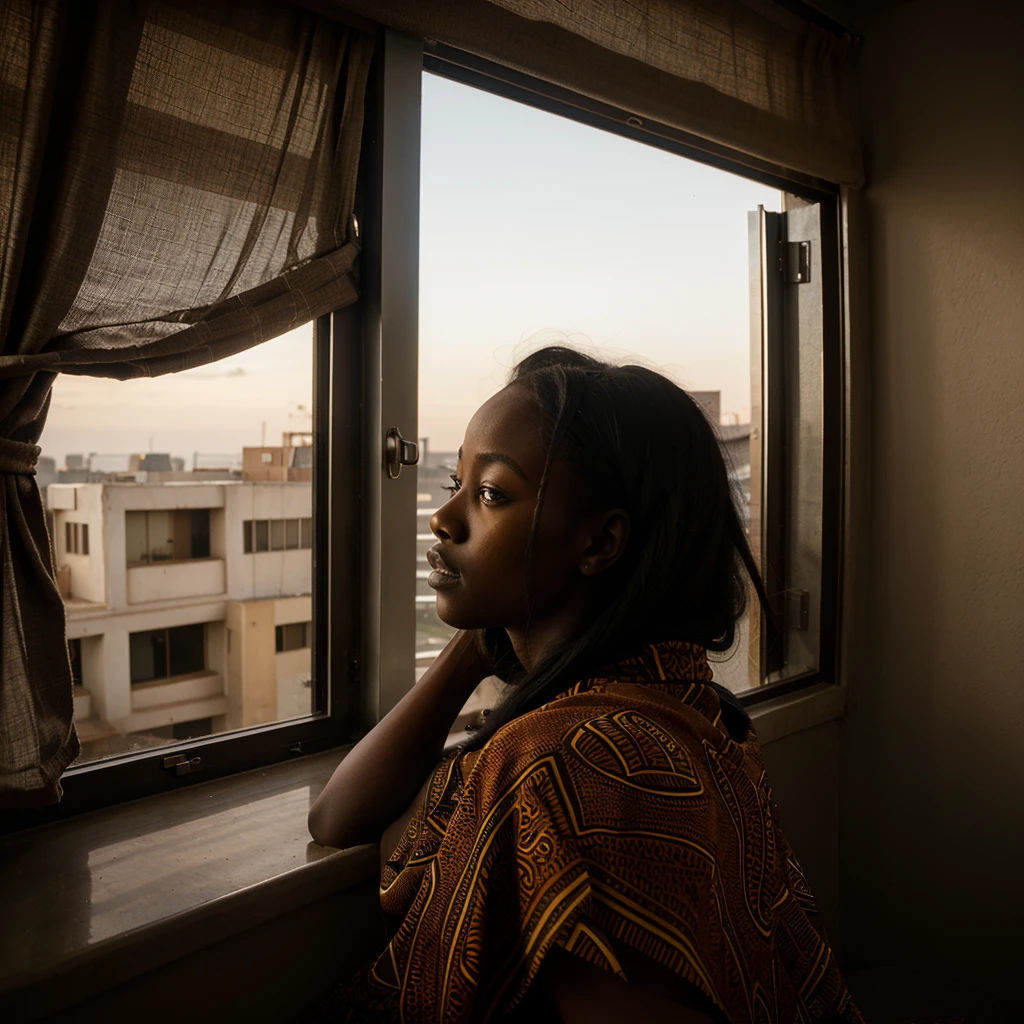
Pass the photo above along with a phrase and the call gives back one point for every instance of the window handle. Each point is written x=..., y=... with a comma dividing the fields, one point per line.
x=181, y=764
x=398, y=452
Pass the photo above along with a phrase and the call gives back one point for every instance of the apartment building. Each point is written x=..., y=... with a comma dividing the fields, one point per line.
x=188, y=604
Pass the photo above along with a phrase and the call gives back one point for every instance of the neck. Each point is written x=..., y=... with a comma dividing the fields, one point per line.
x=534, y=645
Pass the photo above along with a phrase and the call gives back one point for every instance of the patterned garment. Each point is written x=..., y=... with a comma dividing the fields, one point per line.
x=620, y=813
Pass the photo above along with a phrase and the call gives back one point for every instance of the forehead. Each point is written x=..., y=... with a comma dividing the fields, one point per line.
x=509, y=423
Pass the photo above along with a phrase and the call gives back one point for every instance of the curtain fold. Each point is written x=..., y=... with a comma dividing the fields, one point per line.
x=176, y=185
x=742, y=74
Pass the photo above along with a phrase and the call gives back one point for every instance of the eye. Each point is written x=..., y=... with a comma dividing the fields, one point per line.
x=492, y=496
x=456, y=485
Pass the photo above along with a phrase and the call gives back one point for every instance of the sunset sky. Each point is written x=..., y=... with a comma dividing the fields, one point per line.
x=533, y=228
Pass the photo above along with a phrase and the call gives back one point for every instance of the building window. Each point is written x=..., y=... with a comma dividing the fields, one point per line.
x=276, y=534
x=163, y=653
x=292, y=636
x=76, y=538
x=166, y=535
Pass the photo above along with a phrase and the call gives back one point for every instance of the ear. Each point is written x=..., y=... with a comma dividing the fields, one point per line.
x=608, y=536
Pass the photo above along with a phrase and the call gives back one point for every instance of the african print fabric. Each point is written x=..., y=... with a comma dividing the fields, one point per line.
x=619, y=813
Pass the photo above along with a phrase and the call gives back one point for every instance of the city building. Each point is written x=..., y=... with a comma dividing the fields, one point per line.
x=188, y=605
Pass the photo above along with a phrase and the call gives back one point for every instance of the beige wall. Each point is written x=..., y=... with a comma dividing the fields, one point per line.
x=251, y=671
x=933, y=792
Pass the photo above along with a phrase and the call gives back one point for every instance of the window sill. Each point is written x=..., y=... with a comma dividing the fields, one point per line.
x=95, y=901
x=794, y=712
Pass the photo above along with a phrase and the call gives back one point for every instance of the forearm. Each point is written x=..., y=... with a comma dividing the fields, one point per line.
x=379, y=777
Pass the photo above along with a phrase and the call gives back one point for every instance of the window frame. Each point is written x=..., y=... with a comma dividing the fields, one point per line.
x=365, y=380
x=338, y=529
x=480, y=73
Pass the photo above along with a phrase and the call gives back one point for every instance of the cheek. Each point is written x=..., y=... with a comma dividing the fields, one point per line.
x=493, y=563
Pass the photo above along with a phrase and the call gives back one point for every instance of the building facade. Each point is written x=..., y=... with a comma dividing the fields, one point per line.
x=188, y=606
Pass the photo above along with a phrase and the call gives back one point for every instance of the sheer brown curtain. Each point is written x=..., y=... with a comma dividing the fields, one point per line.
x=176, y=185
x=743, y=74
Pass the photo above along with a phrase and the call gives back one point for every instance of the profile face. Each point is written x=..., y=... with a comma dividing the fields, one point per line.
x=479, y=563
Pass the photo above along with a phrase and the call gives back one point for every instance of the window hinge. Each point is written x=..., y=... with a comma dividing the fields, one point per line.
x=796, y=264
x=182, y=764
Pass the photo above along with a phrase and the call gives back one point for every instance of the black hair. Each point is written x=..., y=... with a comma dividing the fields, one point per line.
x=639, y=442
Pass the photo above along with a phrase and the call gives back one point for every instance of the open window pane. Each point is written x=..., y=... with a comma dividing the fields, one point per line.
x=528, y=237
x=190, y=539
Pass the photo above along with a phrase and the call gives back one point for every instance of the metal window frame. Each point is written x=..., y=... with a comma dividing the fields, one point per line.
x=477, y=72
x=338, y=530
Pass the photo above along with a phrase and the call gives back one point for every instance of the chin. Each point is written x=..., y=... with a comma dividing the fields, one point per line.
x=460, y=614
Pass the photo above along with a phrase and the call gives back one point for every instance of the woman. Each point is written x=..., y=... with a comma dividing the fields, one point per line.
x=606, y=843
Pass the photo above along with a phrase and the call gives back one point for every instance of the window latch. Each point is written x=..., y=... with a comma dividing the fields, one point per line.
x=182, y=764
x=398, y=452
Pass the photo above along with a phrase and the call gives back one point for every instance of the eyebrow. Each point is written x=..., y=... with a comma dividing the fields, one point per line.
x=505, y=460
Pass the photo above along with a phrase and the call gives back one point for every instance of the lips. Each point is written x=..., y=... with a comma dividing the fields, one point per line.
x=443, y=575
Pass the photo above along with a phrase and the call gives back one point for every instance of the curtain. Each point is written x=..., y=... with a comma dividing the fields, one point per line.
x=176, y=185
x=741, y=74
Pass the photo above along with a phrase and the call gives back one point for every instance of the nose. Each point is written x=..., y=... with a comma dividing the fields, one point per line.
x=447, y=522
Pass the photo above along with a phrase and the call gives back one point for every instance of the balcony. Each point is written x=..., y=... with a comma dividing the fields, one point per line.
x=178, y=699
x=165, y=581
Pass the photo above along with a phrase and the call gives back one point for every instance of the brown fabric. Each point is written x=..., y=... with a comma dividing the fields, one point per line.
x=176, y=185
x=747, y=76
x=621, y=814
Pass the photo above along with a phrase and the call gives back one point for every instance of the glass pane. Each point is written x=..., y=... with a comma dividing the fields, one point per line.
x=161, y=536
x=147, y=655
x=520, y=211
x=186, y=649
x=200, y=533
x=135, y=542
x=277, y=535
x=182, y=552
x=291, y=534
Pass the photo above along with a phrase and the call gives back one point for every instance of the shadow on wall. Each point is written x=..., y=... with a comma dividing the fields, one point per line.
x=932, y=835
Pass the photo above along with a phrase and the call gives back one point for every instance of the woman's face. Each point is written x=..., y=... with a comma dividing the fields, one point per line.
x=479, y=563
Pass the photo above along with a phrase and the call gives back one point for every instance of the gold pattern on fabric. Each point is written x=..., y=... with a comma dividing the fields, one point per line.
x=619, y=814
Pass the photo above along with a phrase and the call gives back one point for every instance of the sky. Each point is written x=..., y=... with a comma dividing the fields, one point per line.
x=533, y=229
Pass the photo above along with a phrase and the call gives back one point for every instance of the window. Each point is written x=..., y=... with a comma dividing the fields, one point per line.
x=215, y=670
x=276, y=534
x=166, y=535
x=163, y=653
x=730, y=288
x=292, y=636
x=76, y=538
x=525, y=232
